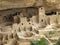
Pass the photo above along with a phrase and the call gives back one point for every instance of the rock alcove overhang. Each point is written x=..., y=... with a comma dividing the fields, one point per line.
x=48, y=4
x=14, y=11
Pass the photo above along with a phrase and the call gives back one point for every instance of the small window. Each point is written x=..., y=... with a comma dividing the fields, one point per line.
x=29, y=23
x=42, y=20
x=28, y=19
x=22, y=23
x=41, y=8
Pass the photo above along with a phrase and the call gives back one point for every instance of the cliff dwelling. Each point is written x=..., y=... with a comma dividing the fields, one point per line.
x=29, y=16
x=29, y=23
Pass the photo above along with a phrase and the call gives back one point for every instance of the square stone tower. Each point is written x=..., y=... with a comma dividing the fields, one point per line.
x=42, y=16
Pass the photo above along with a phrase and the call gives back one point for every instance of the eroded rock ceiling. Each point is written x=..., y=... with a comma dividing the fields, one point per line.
x=48, y=4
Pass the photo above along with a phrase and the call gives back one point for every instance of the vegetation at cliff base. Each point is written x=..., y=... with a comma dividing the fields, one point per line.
x=42, y=41
x=58, y=42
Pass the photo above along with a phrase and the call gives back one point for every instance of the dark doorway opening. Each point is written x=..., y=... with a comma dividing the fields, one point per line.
x=50, y=13
x=8, y=20
x=42, y=20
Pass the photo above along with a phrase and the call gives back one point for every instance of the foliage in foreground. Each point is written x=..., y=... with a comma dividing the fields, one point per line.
x=42, y=41
x=58, y=42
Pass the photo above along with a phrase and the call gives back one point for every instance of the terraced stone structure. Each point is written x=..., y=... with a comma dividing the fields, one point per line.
x=21, y=20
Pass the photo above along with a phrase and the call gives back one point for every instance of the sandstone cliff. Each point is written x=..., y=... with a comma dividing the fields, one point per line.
x=48, y=4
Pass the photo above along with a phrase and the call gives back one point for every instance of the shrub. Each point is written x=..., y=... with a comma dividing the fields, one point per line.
x=42, y=41
x=58, y=42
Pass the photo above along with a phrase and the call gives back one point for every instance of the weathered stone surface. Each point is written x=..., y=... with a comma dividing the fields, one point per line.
x=49, y=4
x=12, y=42
x=29, y=21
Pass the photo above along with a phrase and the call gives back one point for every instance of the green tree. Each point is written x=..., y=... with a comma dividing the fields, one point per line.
x=58, y=42
x=42, y=41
